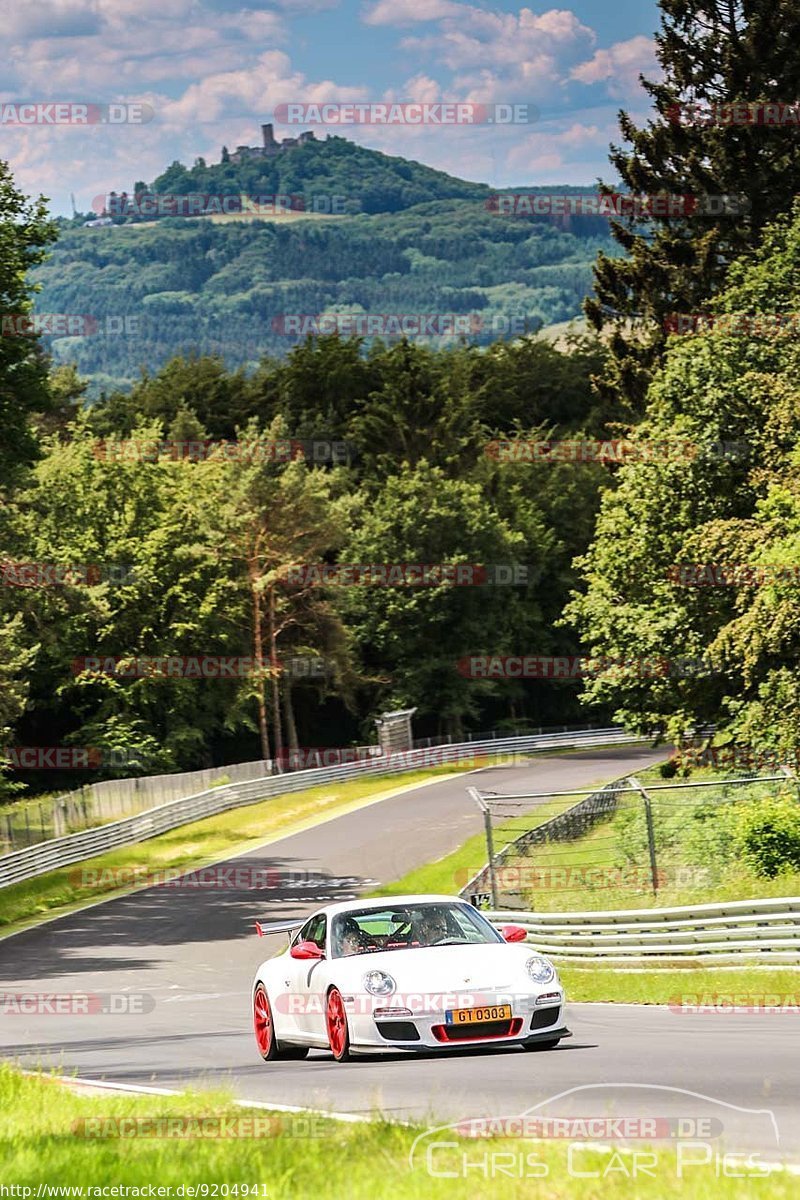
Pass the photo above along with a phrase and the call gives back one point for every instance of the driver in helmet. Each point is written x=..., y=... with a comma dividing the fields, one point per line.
x=349, y=937
x=431, y=927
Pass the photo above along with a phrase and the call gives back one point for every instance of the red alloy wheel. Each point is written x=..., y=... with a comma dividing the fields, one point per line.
x=336, y=1020
x=262, y=1023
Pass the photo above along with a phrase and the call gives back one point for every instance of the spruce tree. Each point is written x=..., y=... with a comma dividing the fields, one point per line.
x=713, y=53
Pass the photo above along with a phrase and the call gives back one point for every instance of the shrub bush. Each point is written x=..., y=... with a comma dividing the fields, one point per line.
x=767, y=835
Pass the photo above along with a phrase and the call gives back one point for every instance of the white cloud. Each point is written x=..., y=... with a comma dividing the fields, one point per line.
x=255, y=89
x=514, y=57
x=620, y=66
x=406, y=12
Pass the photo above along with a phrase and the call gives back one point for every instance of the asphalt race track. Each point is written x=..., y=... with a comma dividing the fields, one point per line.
x=193, y=954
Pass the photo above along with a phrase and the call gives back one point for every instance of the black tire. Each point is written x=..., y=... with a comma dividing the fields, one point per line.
x=268, y=1046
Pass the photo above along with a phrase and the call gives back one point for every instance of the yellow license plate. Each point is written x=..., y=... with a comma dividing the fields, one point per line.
x=475, y=1016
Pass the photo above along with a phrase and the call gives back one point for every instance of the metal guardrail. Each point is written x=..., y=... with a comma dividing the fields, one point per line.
x=26, y=822
x=767, y=930
x=77, y=847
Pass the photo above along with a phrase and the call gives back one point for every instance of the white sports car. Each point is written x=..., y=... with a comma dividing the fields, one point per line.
x=403, y=973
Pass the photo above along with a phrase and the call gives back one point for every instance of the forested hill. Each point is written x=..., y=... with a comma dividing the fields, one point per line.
x=365, y=179
x=427, y=243
x=187, y=285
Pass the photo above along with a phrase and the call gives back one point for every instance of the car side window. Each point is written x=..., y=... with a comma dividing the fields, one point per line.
x=316, y=929
x=304, y=934
x=466, y=927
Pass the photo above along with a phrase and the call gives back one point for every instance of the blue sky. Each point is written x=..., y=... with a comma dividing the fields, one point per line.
x=213, y=70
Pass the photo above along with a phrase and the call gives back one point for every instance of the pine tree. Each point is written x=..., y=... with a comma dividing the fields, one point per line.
x=713, y=53
x=25, y=233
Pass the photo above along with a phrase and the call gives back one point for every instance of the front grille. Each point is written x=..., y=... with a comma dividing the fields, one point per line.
x=476, y=1031
x=544, y=1017
x=398, y=1031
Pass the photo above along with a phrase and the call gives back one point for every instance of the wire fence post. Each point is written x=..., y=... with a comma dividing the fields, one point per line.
x=790, y=775
x=651, y=836
x=487, y=825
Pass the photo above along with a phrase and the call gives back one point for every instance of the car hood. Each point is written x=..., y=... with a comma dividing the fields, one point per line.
x=444, y=968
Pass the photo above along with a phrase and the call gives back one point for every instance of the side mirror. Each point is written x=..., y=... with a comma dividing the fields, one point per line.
x=514, y=933
x=306, y=950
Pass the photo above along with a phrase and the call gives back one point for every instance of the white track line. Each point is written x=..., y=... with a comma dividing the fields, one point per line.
x=142, y=1090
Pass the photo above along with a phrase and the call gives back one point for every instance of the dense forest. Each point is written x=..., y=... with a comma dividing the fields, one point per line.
x=189, y=285
x=187, y=545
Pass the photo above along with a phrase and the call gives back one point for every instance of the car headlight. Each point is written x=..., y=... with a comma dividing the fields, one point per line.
x=378, y=983
x=540, y=970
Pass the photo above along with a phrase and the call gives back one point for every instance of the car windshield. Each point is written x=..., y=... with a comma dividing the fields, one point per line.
x=408, y=927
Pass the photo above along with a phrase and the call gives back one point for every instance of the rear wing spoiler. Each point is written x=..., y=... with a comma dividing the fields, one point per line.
x=263, y=930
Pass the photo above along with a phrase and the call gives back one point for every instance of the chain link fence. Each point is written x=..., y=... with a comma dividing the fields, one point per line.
x=633, y=841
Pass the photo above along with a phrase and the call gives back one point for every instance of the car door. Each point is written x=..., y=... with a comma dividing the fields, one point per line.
x=306, y=1004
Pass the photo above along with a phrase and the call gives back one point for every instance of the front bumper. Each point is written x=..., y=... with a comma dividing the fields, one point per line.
x=529, y=1023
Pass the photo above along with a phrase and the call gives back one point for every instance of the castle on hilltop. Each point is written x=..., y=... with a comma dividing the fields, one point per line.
x=271, y=146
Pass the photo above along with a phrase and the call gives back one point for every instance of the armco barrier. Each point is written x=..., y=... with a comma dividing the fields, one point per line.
x=764, y=930
x=77, y=847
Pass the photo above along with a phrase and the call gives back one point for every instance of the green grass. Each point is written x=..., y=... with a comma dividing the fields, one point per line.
x=662, y=986
x=199, y=844
x=42, y=1135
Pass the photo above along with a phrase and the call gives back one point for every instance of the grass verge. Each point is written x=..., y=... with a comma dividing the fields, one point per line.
x=43, y=1130
x=683, y=984
x=192, y=846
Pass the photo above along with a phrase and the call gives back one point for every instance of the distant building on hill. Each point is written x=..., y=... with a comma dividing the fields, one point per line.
x=271, y=146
